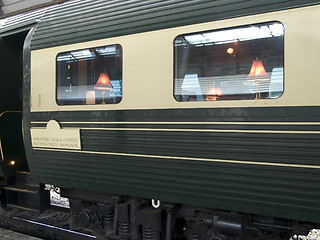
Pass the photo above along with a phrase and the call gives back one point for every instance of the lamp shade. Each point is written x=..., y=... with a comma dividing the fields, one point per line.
x=103, y=82
x=191, y=84
x=214, y=91
x=213, y=94
x=257, y=72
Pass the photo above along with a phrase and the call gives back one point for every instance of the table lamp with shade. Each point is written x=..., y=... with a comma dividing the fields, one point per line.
x=103, y=84
x=257, y=74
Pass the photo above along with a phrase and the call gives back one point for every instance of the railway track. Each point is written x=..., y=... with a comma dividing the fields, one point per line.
x=49, y=225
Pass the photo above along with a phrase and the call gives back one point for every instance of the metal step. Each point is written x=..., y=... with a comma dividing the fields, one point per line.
x=23, y=188
x=22, y=192
x=26, y=208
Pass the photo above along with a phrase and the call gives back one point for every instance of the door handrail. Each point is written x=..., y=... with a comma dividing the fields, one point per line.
x=5, y=112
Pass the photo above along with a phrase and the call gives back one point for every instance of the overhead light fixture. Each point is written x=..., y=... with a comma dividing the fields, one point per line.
x=230, y=50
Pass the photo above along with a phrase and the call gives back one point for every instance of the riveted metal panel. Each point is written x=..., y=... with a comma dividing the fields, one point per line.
x=79, y=21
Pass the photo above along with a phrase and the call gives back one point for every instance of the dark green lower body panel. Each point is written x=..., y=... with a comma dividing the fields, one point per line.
x=274, y=191
x=258, y=161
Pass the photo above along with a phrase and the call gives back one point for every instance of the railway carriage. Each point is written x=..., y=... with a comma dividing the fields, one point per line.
x=177, y=119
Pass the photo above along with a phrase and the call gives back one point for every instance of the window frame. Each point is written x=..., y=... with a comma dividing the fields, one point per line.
x=118, y=47
x=175, y=68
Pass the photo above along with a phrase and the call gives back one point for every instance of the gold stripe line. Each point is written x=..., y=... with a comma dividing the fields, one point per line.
x=202, y=130
x=190, y=123
x=185, y=158
x=196, y=130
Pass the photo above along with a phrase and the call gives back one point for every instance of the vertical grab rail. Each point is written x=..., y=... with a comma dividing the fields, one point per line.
x=1, y=149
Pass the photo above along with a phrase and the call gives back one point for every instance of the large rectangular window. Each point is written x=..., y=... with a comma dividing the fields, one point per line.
x=90, y=76
x=231, y=64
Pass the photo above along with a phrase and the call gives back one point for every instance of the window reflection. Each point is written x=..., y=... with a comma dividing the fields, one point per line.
x=90, y=76
x=237, y=63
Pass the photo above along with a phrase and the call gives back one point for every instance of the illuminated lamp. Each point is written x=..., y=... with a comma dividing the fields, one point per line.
x=12, y=162
x=257, y=74
x=230, y=50
x=103, y=84
x=213, y=94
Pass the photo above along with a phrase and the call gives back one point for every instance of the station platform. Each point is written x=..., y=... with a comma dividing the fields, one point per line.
x=6, y=234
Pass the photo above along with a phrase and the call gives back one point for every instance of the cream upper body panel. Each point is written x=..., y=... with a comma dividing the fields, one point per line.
x=148, y=66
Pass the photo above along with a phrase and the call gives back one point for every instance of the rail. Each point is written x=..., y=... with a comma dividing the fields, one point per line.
x=30, y=224
x=1, y=115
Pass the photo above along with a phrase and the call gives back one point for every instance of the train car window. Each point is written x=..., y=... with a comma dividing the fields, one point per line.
x=231, y=64
x=90, y=76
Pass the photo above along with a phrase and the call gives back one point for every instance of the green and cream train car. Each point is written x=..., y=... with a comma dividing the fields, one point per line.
x=178, y=119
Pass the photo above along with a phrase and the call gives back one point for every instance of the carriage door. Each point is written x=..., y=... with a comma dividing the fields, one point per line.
x=12, y=155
